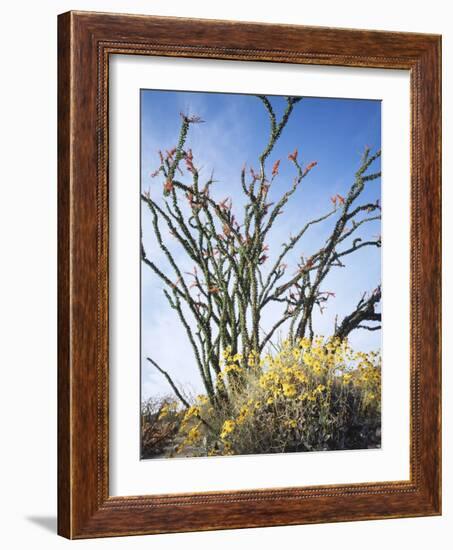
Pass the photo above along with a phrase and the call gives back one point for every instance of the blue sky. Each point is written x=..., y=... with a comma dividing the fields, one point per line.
x=333, y=132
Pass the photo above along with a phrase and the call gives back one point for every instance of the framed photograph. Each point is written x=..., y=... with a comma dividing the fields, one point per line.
x=249, y=275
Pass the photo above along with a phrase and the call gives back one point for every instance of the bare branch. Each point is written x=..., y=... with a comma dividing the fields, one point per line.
x=170, y=381
x=364, y=311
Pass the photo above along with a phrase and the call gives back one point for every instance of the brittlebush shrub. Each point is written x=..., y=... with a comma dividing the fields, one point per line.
x=311, y=396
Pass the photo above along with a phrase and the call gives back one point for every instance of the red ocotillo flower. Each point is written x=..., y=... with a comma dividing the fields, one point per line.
x=264, y=189
x=226, y=204
x=192, y=273
x=308, y=264
x=275, y=168
x=168, y=187
x=171, y=153
x=213, y=289
x=189, y=165
x=188, y=157
x=254, y=175
x=334, y=200
x=310, y=167
x=293, y=156
x=340, y=199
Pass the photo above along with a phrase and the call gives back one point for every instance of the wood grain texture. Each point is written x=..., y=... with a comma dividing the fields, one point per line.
x=86, y=40
x=64, y=425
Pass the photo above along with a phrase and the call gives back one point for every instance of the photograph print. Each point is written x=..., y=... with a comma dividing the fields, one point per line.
x=260, y=274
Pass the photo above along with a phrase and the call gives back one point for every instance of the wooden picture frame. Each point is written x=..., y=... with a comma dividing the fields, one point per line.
x=85, y=42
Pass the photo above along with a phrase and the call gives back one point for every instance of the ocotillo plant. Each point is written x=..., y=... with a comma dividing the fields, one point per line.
x=220, y=303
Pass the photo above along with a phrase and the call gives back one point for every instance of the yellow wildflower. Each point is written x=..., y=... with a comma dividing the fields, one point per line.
x=232, y=367
x=164, y=411
x=289, y=390
x=304, y=343
x=227, y=428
